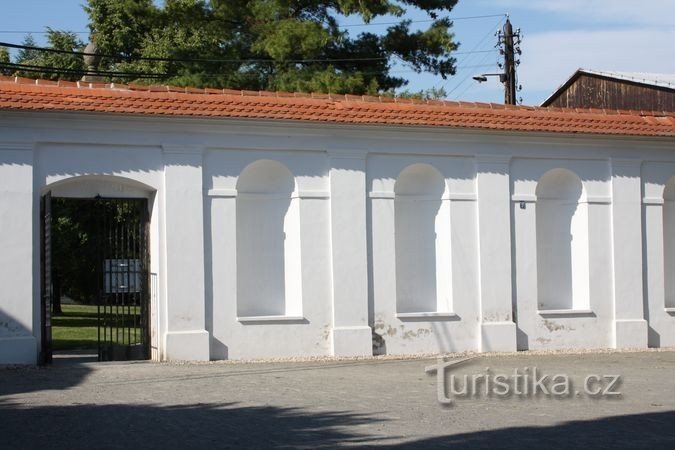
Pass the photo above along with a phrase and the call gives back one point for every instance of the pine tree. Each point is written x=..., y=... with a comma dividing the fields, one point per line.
x=288, y=45
x=71, y=64
x=4, y=59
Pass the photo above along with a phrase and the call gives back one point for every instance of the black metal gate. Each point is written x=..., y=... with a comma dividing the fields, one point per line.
x=46, y=288
x=121, y=258
x=124, y=284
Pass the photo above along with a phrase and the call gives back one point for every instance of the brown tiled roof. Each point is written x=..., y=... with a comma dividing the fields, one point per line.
x=40, y=95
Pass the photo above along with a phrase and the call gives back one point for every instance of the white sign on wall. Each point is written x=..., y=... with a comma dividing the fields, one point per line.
x=122, y=276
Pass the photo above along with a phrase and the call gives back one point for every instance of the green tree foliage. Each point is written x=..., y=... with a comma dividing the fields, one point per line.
x=4, y=59
x=426, y=94
x=74, y=253
x=288, y=45
x=35, y=59
x=27, y=55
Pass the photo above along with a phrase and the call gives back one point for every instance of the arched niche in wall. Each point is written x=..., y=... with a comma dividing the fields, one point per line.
x=268, y=250
x=562, y=242
x=669, y=241
x=422, y=237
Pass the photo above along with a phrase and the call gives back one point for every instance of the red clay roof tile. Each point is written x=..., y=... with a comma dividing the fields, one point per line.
x=27, y=94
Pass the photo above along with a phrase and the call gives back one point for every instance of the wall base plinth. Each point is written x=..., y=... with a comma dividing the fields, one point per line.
x=498, y=337
x=352, y=341
x=631, y=334
x=187, y=346
x=18, y=350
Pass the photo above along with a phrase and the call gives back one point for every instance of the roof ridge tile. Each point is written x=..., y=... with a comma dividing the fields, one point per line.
x=22, y=80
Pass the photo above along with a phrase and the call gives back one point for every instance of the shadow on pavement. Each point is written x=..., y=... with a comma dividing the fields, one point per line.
x=233, y=426
x=184, y=426
x=650, y=430
x=23, y=379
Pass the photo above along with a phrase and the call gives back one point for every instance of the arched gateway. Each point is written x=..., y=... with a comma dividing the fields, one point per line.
x=95, y=257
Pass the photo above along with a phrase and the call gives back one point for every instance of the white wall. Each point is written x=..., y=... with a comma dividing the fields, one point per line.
x=669, y=242
x=444, y=316
x=388, y=239
x=564, y=279
x=268, y=252
x=562, y=242
x=657, y=184
x=18, y=342
x=268, y=268
x=422, y=239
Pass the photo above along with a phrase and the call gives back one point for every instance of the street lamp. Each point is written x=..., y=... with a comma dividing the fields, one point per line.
x=482, y=78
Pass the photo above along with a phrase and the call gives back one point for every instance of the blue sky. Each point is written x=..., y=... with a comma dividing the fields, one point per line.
x=559, y=37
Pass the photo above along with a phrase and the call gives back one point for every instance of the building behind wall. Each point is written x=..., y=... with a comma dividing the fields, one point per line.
x=616, y=90
x=297, y=225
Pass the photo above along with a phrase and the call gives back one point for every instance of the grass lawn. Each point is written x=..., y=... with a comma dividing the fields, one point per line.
x=77, y=327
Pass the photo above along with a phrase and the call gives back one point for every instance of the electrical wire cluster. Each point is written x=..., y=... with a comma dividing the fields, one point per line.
x=13, y=67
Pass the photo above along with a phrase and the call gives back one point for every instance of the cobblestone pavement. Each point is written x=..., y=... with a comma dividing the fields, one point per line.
x=363, y=404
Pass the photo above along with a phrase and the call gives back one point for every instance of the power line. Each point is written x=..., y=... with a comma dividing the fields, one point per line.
x=65, y=71
x=208, y=60
x=422, y=20
x=158, y=59
x=466, y=78
x=371, y=24
x=472, y=52
x=38, y=32
x=213, y=75
x=140, y=75
x=487, y=35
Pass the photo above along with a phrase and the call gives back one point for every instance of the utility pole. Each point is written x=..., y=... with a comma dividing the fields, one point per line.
x=508, y=42
x=509, y=47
